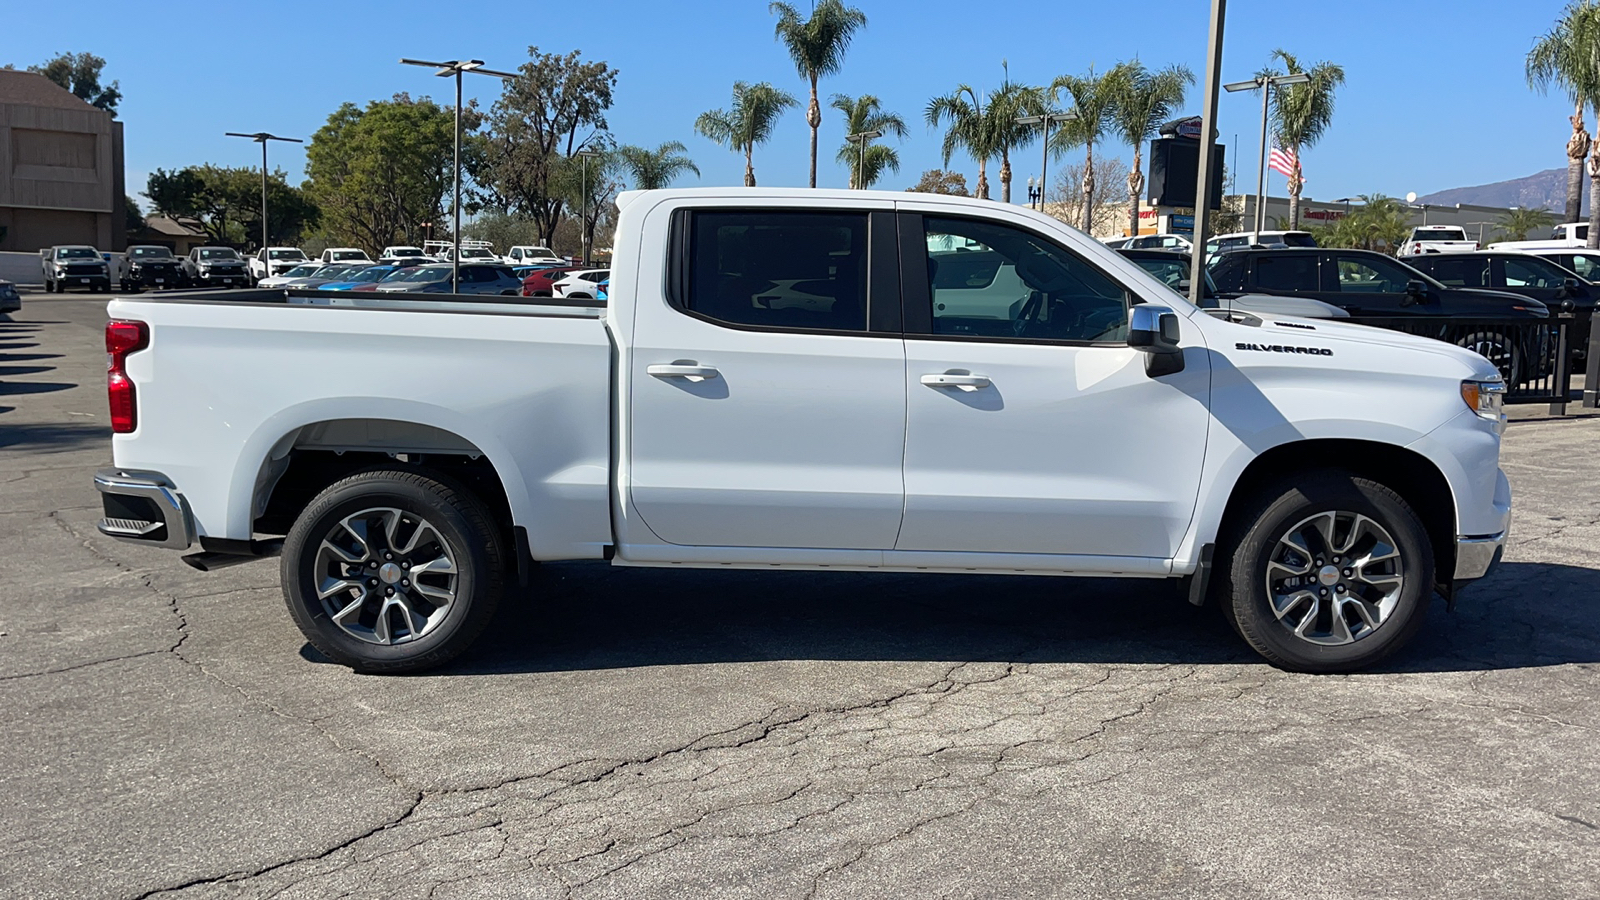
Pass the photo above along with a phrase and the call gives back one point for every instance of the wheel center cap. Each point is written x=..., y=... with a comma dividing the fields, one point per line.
x=1327, y=575
x=389, y=572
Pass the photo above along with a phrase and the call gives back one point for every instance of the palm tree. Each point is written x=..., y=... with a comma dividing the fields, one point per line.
x=653, y=169
x=817, y=46
x=1149, y=99
x=967, y=129
x=861, y=114
x=1516, y=223
x=1005, y=105
x=1094, y=100
x=1301, y=114
x=1566, y=56
x=748, y=122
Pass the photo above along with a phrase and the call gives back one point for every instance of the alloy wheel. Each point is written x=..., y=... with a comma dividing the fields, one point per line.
x=385, y=576
x=1334, y=578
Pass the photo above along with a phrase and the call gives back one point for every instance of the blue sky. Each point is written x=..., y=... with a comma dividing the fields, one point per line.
x=1434, y=98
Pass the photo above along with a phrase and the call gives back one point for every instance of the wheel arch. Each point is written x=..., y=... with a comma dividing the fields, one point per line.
x=1408, y=473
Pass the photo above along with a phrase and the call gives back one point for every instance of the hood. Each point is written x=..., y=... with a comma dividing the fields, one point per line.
x=1285, y=334
x=1495, y=299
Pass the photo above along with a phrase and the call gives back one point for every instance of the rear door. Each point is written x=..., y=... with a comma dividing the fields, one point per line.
x=767, y=381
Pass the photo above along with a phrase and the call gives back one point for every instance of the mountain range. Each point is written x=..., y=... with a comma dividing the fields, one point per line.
x=1547, y=189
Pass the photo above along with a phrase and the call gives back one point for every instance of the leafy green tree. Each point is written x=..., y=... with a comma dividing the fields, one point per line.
x=650, y=170
x=227, y=203
x=1301, y=114
x=80, y=74
x=378, y=173
x=1516, y=224
x=748, y=122
x=966, y=127
x=817, y=45
x=1095, y=98
x=173, y=194
x=861, y=114
x=132, y=216
x=1380, y=223
x=557, y=108
x=941, y=181
x=1149, y=99
x=1569, y=56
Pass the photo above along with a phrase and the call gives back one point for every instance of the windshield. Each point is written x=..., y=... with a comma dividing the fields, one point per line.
x=405, y=251
x=397, y=275
x=330, y=272
x=474, y=253
x=430, y=274
x=76, y=253
x=1440, y=234
x=285, y=254
x=302, y=271
x=371, y=273
x=154, y=252
x=349, y=254
x=217, y=253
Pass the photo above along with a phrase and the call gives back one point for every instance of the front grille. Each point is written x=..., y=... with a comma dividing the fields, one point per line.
x=83, y=269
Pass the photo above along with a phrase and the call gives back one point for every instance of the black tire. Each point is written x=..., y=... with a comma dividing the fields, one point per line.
x=467, y=536
x=1254, y=539
x=1501, y=350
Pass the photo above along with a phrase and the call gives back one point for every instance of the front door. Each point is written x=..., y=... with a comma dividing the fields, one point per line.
x=764, y=411
x=1031, y=426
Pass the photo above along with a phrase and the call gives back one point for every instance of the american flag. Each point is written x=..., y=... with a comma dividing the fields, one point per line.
x=1282, y=160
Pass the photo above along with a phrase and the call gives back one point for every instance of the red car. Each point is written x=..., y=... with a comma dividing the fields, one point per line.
x=537, y=284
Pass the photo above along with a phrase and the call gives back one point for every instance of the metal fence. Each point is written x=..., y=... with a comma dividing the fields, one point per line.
x=1538, y=358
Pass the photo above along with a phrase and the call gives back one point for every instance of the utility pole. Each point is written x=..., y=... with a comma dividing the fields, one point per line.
x=1208, y=139
x=261, y=137
x=583, y=199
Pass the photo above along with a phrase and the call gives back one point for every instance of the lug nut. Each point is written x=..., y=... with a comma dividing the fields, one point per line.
x=405, y=582
x=372, y=564
x=389, y=592
x=1349, y=573
x=372, y=582
x=1336, y=560
x=1339, y=588
x=388, y=556
x=1322, y=592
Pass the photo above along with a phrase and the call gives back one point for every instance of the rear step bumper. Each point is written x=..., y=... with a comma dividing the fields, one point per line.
x=143, y=508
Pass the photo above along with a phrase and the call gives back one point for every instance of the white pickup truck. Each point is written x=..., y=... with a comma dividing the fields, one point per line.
x=809, y=379
x=1437, y=239
x=270, y=261
x=1568, y=235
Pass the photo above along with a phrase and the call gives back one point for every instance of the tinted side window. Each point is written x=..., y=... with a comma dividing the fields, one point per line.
x=1228, y=273
x=1014, y=283
x=778, y=269
x=1286, y=272
x=1371, y=275
x=1456, y=271
x=1587, y=266
x=1532, y=273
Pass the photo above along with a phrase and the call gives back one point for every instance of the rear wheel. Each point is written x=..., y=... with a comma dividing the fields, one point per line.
x=393, y=571
x=1328, y=573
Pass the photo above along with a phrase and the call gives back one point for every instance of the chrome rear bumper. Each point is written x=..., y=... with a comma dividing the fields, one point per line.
x=143, y=508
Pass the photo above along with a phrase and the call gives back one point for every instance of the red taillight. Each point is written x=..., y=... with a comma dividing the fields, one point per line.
x=122, y=337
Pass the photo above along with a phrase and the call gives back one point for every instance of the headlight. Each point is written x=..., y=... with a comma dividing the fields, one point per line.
x=1486, y=398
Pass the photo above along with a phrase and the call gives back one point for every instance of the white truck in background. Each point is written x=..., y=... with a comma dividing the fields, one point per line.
x=809, y=379
x=1437, y=239
x=343, y=255
x=270, y=261
x=1570, y=234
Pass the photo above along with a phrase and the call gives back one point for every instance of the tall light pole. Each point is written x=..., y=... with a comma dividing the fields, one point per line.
x=861, y=139
x=583, y=198
x=1265, y=84
x=1047, y=119
x=456, y=67
x=1208, y=139
x=261, y=137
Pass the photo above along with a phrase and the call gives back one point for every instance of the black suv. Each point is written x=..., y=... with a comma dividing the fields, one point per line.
x=149, y=266
x=1373, y=286
x=1524, y=274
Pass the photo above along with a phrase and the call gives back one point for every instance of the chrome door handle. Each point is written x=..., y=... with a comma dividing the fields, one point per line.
x=677, y=370
x=950, y=379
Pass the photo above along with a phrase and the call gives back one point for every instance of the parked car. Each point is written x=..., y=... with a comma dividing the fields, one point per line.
x=215, y=267
x=1245, y=240
x=759, y=401
x=1570, y=235
x=1582, y=262
x=1518, y=273
x=1171, y=268
x=525, y=255
x=398, y=274
x=328, y=275
x=10, y=297
x=74, y=265
x=304, y=270
x=579, y=284
x=402, y=254
x=149, y=266
x=476, y=278
x=371, y=275
x=1162, y=241
x=1436, y=239
x=1370, y=285
x=270, y=261
x=344, y=254
x=541, y=282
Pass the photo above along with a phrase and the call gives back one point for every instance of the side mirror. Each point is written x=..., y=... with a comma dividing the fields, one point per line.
x=1154, y=330
x=1416, y=292
x=1569, y=287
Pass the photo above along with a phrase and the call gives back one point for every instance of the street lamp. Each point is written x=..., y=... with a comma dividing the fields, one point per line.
x=261, y=137
x=1047, y=119
x=456, y=67
x=1265, y=84
x=860, y=139
x=583, y=191
x=1034, y=193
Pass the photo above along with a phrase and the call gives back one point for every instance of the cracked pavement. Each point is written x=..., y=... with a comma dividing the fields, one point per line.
x=663, y=733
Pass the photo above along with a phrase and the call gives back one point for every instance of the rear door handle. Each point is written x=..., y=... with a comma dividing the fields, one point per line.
x=679, y=370
x=951, y=379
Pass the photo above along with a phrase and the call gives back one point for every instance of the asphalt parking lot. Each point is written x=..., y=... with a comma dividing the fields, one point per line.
x=650, y=733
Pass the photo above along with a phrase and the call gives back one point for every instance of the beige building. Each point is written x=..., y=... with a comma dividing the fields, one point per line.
x=61, y=178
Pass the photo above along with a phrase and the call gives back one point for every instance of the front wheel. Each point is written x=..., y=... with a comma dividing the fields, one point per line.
x=393, y=571
x=1328, y=573
x=1500, y=350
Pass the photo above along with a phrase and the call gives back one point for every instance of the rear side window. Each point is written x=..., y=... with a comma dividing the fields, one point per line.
x=1587, y=266
x=1298, y=239
x=1471, y=271
x=1286, y=272
x=780, y=270
x=1533, y=273
x=1228, y=273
